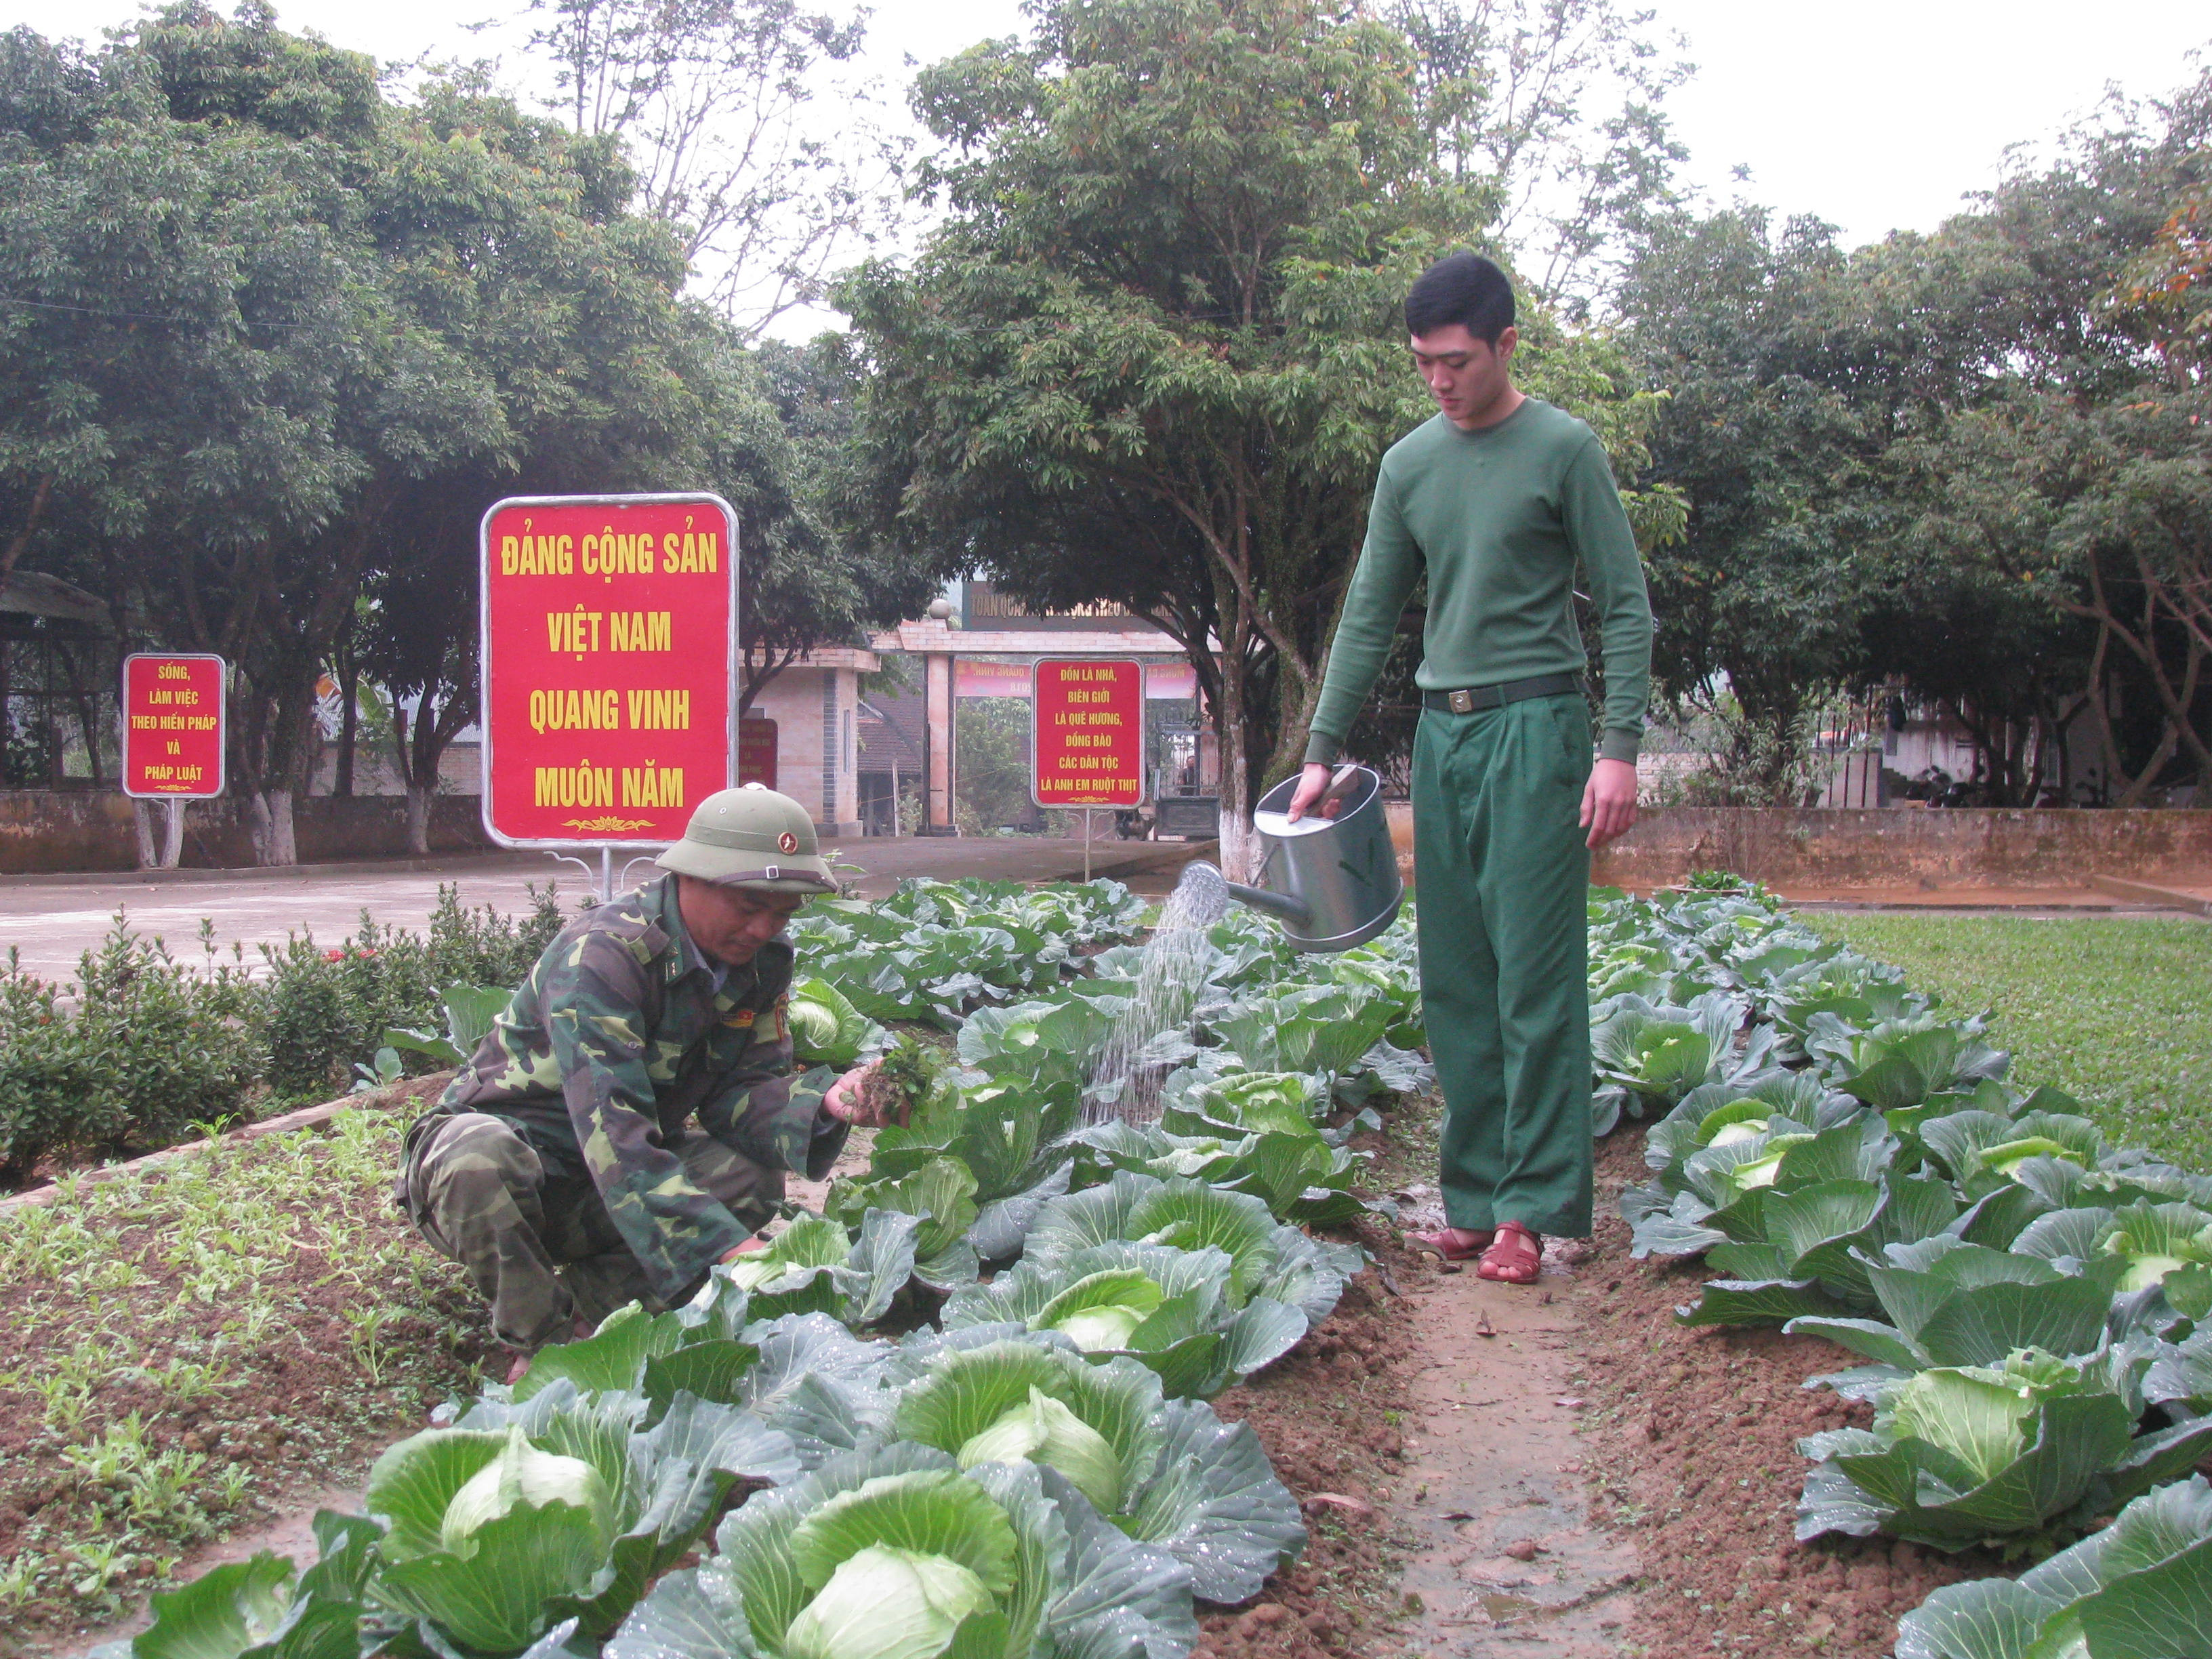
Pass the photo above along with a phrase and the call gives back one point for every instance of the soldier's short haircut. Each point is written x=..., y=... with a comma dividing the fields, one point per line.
x=1460, y=288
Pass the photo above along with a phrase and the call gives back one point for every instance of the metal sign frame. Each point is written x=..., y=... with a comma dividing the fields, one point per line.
x=222, y=724
x=674, y=498
x=1036, y=735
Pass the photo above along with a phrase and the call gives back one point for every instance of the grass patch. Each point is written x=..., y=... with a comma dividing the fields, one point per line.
x=2116, y=1011
x=189, y=1350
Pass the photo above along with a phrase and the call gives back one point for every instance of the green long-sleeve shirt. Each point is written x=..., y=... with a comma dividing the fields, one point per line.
x=1499, y=518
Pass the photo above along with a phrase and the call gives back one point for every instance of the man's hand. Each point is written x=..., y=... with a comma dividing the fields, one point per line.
x=756, y=1242
x=845, y=1104
x=1313, y=782
x=1609, y=801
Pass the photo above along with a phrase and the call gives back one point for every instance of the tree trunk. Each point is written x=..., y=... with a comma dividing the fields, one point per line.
x=141, y=820
x=173, y=836
x=419, y=799
x=348, y=678
x=1237, y=834
x=269, y=822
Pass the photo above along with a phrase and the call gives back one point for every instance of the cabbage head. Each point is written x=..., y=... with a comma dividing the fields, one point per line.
x=1267, y=1259
x=1169, y=1309
x=896, y=1553
x=2158, y=1239
x=826, y=1029
x=522, y=1477
x=2026, y=1452
x=2142, y=1585
x=525, y=1517
x=1165, y=1472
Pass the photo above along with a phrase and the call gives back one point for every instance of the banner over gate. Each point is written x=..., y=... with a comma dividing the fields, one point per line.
x=609, y=663
x=173, y=735
x=1090, y=725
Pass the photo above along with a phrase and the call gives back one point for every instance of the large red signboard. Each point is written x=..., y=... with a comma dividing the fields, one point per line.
x=609, y=665
x=1089, y=726
x=173, y=725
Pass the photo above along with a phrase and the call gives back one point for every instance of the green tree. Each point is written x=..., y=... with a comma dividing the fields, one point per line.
x=1151, y=353
x=193, y=362
x=805, y=583
x=1555, y=109
x=1757, y=604
x=274, y=338
x=1863, y=439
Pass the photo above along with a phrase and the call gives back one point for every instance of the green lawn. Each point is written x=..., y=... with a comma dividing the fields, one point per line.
x=2116, y=1011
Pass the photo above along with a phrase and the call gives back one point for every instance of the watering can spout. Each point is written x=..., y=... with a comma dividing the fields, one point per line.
x=1297, y=912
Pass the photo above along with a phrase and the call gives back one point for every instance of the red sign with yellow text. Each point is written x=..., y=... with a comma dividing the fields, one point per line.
x=173, y=724
x=757, y=744
x=1089, y=727
x=609, y=665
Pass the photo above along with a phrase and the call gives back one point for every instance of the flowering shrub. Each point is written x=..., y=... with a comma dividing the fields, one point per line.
x=326, y=1008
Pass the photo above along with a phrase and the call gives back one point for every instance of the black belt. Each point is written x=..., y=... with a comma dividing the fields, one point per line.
x=1468, y=701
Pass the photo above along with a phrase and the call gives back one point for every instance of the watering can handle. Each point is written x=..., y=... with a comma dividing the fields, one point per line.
x=1342, y=780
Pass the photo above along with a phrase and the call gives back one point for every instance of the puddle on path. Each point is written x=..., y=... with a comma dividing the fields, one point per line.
x=1507, y=1565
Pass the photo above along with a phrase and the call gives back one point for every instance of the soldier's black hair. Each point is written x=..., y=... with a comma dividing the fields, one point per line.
x=1460, y=288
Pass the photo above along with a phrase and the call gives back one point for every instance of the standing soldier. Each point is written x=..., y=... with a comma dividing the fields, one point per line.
x=1497, y=499
x=628, y=1122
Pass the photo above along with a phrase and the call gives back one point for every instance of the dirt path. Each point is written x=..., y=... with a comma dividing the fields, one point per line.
x=1506, y=1558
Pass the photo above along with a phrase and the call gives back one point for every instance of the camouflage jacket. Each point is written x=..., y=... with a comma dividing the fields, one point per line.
x=618, y=1037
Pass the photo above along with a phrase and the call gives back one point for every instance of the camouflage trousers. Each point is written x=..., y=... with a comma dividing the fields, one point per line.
x=543, y=1249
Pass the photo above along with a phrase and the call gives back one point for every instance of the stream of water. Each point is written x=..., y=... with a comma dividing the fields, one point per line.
x=1161, y=1001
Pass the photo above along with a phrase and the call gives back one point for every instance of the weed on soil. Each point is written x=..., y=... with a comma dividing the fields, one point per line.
x=187, y=1350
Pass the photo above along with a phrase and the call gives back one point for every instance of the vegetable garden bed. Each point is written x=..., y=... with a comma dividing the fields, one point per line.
x=2022, y=1297
x=912, y=1413
x=1134, y=1273
x=191, y=1349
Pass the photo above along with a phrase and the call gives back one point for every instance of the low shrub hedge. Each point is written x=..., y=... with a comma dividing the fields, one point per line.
x=142, y=1045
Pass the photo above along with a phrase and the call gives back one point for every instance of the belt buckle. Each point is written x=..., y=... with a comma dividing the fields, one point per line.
x=1462, y=703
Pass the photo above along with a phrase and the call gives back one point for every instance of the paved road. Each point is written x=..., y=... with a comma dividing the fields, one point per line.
x=51, y=922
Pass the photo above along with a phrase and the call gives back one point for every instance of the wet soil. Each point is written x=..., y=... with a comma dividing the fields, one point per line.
x=1509, y=1557
x=1430, y=1428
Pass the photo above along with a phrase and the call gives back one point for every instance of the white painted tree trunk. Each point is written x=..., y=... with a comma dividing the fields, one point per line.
x=1239, y=848
x=141, y=820
x=418, y=819
x=160, y=827
x=269, y=819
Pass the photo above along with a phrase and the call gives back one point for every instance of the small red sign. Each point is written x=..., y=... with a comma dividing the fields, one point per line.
x=1089, y=732
x=757, y=751
x=609, y=665
x=173, y=736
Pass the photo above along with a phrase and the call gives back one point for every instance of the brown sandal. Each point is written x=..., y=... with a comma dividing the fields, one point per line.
x=1442, y=1244
x=1515, y=1256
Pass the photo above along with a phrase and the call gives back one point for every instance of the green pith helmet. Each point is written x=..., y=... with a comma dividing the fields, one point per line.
x=753, y=838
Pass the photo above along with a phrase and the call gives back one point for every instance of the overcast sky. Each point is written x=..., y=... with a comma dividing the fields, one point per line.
x=1876, y=116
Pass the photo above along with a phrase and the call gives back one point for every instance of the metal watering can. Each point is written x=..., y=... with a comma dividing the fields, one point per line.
x=1331, y=881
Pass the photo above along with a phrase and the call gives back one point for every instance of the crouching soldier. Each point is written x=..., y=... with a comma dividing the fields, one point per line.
x=630, y=1120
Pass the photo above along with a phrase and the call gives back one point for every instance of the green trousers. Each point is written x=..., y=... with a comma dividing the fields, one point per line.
x=1503, y=878
x=543, y=1249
